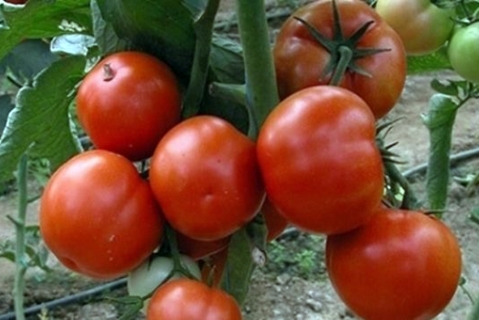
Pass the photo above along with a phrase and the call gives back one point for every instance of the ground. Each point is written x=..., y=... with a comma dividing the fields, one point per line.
x=278, y=293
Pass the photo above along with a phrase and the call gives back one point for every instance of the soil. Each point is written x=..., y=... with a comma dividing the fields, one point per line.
x=291, y=290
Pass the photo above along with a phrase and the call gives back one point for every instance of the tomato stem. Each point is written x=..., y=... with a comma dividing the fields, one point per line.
x=345, y=57
x=261, y=89
x=20, y=257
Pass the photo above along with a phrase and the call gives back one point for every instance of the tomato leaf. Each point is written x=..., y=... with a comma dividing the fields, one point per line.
x=450, y=88
x=5, y=107
x=104, y=33
x=162, y=28
x=439, y=120
x=239, y=266
x=227, y=61
x=39, y=124
x=49, y=18
x=431, y=62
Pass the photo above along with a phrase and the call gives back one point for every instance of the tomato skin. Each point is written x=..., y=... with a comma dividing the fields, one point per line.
x=274, y=221
x=320, y=164
x=427, y=27
x=91, y=209
x=206, y=178
x=185, y=299
x=129, y=113
x=463, y=50
x=16, y=1
x=401, y=265
x=144, y=279
x=197, y=249
x=300, y=60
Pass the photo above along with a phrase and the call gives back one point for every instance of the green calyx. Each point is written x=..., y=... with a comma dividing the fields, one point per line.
x=343, y=50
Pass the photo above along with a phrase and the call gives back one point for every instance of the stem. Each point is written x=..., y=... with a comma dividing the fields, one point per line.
x=409, y=200
x=261, y=90
x=475, y=311
x=20, y=259
x=345, y=57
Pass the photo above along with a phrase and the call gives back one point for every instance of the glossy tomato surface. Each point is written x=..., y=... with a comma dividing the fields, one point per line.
x=98, y=217
x=185, y=299
x=127, y=102
x=205, y=175
x=300, y=60
x=426, y=28
x=463, y=50
x=400, y=265
x=319, y=160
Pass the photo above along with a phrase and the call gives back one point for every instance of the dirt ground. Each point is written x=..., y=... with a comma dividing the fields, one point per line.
x=283, y=296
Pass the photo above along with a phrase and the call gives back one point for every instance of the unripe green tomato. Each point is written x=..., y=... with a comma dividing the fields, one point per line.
x=143, y=280
x=463, y=52
x=422, y=26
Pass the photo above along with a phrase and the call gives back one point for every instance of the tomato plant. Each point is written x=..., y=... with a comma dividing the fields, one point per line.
x=426, y=28
x=92, y=208
x=400, y=265
x=463, y=50
x=143, y=280
x=185, y=299
x=304, y=151
x=127, y=102
x=359, y=51
x=205, y=176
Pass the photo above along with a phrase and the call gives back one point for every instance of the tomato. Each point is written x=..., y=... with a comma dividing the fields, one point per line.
x=16, y=1
x=197, y=249
x=143, y=280
x=92, y=209
x=301, y=61
x=206, y=178
x=426, y=28
x=213, y=268
x=127, y=102
x=274, y=221
x=320, y=164
x=400, y=265
x=185, y=299
x=463, y=51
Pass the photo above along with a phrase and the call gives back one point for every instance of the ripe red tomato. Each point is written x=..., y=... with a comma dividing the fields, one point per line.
x=185, y=299
x=274, y=221
x=320, y=164
x=197, y=249
x=127, y=102
x=206, y=178
x=427, y=27
x=300, y=60
x=92, y=209
x=400, y=265
x=16, y=1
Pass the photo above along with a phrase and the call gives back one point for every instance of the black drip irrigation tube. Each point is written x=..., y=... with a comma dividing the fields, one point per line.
x=121, y=283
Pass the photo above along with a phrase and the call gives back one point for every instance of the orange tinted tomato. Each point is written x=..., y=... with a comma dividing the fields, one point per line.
x=185, y=299
x=127, y=102
x=98, y=217
x=206, y=178
x=400, y=265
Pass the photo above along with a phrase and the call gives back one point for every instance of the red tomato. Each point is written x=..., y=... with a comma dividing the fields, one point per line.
x=197, y=249
x=127, y=102
x=400, y=265
x=16, y=1
x=206, y=178
x=92, y=209
x=301, y=60
x=274, y=221
x=319, y=160
x=185, y=299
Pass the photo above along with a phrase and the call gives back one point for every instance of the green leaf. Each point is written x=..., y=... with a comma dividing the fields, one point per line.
x=42, y=19
x=227, y=61
x=162, y=28
x=449, y=88
x=106, y=37
x=431, y=62
x=39, y=124
x=27, y=59
x=239, y=266
x=474, y=217
x=5, y=107
x=72, y=44
x=440, y=121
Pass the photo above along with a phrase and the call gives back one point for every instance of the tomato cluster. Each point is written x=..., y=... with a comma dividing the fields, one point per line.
x=315, y=165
